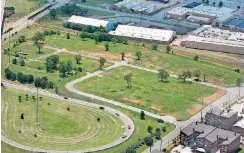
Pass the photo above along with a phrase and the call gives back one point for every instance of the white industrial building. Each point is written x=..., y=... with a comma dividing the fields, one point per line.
x=201, y=14
x=91, y=21
x=140, y=6
x=142, y=33
x=208, y=38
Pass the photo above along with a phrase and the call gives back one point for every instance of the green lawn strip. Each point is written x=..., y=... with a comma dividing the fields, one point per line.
x=27, y=32
x=152, y=59
x=31, y=50
x=140, y=125
x=176, y=64
x=67, y=130
x=24, y=7
x=173, y=97
x=6, y=148
x=38, y=68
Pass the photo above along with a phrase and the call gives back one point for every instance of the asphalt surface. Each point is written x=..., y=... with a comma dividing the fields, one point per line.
x=231, y=95
x=125, y=119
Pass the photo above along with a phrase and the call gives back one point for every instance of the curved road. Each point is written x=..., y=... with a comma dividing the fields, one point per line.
x=125, y=119
x=231, y=95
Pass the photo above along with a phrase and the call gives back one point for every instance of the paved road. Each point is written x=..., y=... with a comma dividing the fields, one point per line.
x=24, y=22
x=125, y=119
x=70, y=86
x=232, y=94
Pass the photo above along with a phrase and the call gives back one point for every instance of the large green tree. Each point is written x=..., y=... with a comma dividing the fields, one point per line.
x=63, y=68
x=101, y=61
x=184, y=75
x=53, y=13
x=163, y=75
x=128, y=77
x=78, y=58
x=149, y=142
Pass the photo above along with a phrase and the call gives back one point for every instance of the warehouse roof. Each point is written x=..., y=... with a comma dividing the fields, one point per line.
x=213, y=40
x=143, y=33
x=87, y=21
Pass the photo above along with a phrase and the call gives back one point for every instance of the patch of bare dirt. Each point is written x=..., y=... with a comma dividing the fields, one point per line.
x=156, y=107
x=155, y=58
x=211, y=98
x=107, y=55
x=193, y=109
x=135, y=101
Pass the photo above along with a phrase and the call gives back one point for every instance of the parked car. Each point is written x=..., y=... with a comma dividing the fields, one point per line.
x=101, y=107
x=124, y=135
x=65, y=97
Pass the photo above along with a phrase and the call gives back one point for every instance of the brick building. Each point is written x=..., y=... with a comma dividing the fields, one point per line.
x=220, y=118
x=209, y=137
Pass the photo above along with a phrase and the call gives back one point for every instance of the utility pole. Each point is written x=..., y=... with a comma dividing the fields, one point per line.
x=37, y=121
x=201, y=111
x=160, y=145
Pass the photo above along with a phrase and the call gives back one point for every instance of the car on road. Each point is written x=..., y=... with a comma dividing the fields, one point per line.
x=117, y=114
x=101, y=107
x=65, y=97
x=129, y=127
x=124, y=135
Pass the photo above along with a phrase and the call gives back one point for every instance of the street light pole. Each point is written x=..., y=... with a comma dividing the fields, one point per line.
x=160, y=145
x=201, y=111
x=9, y=48
x=37, y=122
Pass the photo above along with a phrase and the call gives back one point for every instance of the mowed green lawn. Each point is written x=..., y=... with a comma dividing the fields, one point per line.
x=38, y=68
x=31, y=50
x=6, y=148
x=173, y=97
x=24, y=7
x=59, y=128
x=216, y=74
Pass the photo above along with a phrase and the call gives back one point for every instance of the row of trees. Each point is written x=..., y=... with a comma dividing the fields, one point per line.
x=163, y=76
x=84, y=28
x=73, y=9
x=23, y=78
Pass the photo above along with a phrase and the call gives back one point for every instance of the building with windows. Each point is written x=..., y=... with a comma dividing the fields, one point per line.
x=221, y=118
x=210, y=137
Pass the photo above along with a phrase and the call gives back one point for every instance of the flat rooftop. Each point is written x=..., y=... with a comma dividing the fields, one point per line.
x=214, y=41
x=143, y=33
x=87, y=21
x=220, y=112
x=209, y=34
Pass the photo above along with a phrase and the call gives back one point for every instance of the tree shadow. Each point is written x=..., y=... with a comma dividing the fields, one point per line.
x=185, y=82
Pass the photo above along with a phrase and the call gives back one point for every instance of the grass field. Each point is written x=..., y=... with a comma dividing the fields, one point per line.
x=215, y=73
x=31, y=50
x=139, y=132
x=173, y=98
x=23, y=7
x=74, y=129
x=6, y=148
x=152, y=59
